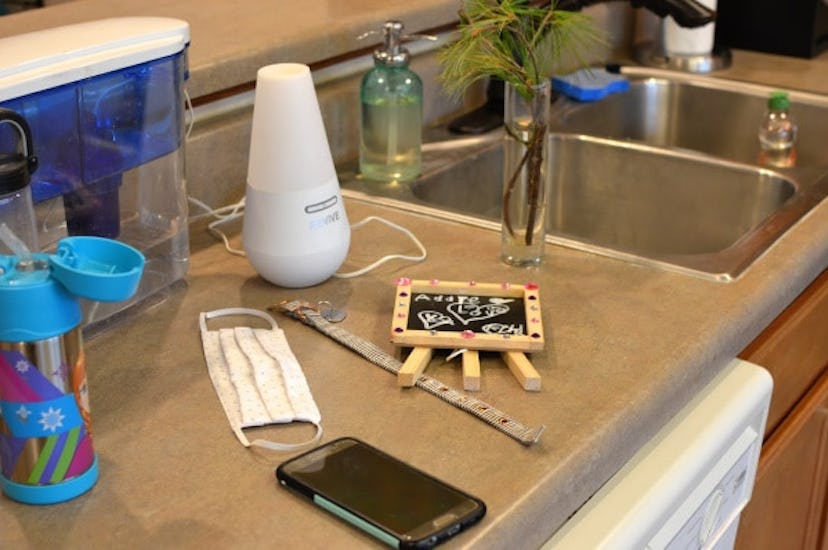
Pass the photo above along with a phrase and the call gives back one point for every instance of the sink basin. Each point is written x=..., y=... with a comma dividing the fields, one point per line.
x=713, y=116
x=674, y=191
x=616, y=195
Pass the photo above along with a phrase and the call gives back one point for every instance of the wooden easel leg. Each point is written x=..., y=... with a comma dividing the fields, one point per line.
x=523, y=370
x=414, y=365
x=471, y=370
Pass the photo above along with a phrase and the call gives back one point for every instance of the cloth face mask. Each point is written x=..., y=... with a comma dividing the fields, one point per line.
x=257, y=378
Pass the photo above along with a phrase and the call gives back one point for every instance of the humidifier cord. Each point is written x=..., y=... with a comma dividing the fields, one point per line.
x=419, y=258
x=222, y=215
x=236, y=210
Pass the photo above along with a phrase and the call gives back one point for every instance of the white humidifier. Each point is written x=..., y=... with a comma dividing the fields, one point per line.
x=296, y=233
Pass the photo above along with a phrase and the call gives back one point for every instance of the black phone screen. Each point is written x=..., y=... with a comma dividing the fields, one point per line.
x=382, y=489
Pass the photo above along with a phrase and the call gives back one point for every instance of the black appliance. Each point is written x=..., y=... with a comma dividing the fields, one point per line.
x=786, y=27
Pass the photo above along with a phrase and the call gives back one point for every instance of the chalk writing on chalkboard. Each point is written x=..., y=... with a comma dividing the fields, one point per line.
x=483, y=316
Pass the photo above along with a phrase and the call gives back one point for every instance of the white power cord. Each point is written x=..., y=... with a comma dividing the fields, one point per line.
x=223, y=215
x=364, y=270
x=234, y=211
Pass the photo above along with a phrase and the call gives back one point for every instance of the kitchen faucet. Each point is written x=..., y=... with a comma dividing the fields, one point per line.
x=686, y=13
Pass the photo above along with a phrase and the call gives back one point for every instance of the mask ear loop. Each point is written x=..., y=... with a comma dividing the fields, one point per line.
x=266, y=444
x=204, y=317
x=364, y=270
x=274, y=446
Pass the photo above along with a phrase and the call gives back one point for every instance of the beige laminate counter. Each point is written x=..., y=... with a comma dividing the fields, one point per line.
x=626, y=347
x=232, y=39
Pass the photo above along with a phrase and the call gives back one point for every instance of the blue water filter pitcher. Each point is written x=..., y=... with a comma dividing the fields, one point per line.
x=105, y=102
x=108, y=106
x=46, y=451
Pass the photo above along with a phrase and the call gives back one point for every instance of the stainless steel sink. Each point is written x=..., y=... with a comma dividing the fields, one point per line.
x=677, y=110
x=647, y=188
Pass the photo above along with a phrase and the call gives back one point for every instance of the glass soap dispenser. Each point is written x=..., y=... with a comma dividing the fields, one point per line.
x=391, y=97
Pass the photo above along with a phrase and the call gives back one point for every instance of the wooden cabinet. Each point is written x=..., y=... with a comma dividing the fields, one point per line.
x=788, y=507
x=794, y=348
x=787, y=510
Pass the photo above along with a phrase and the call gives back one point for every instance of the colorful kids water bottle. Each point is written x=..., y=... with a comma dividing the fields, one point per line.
x=46, y=449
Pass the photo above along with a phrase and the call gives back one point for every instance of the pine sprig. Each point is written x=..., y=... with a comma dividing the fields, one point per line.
x=515, y=41
x=521, y=44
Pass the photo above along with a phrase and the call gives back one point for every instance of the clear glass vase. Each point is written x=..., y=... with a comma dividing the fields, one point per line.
x=525, y=175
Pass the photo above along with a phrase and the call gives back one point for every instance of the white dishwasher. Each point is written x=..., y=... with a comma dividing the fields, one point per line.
x=686, y=488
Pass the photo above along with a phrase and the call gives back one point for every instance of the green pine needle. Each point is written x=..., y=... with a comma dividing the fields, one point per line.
x=515, y=41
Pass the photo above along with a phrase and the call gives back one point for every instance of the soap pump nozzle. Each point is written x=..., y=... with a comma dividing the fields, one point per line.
x=392, y=53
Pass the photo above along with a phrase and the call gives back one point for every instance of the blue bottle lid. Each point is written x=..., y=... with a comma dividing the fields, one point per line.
x=33, y=306
x=96, y=268
x=39, y=299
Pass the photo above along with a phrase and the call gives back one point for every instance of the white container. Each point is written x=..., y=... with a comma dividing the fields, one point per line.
x=682, y=42
x=296, y=231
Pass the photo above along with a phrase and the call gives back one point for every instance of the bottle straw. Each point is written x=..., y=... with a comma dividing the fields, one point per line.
x=15, y=244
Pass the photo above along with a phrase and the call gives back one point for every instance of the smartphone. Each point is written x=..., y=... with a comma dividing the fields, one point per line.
x=389, y=499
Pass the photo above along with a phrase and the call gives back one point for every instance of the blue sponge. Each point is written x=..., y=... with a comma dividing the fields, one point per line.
x=590, y=84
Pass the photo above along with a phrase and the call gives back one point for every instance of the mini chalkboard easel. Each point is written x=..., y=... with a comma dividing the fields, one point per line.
x=476, y=317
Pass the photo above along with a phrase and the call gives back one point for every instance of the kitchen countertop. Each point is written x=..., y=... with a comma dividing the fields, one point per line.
x=231, y=40
x=627, y=346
